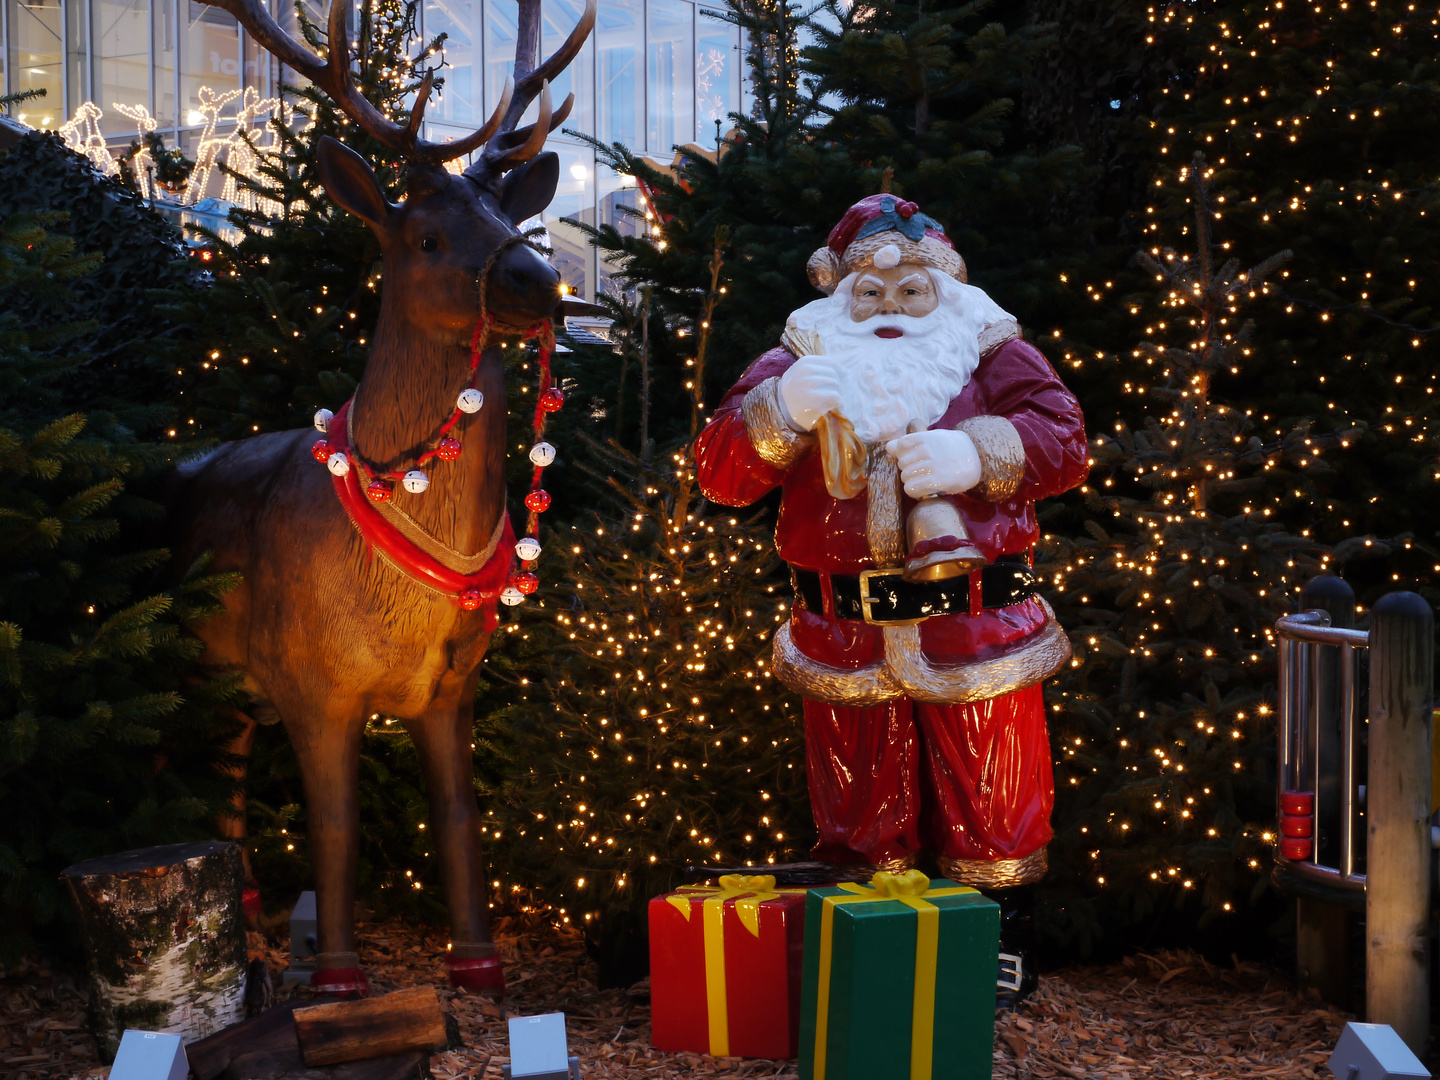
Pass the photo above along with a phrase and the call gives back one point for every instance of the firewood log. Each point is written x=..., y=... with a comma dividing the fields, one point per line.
x=354, y=1030
x=164, y=929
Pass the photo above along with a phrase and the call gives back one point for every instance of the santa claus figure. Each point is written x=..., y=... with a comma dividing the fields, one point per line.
x=911, y=430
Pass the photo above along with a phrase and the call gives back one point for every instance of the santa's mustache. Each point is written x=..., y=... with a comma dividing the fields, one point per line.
x=911, y=326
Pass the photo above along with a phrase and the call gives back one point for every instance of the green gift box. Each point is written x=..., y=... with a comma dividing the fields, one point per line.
x=899, y=970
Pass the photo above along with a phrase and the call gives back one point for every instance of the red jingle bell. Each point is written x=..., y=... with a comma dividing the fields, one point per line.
x=380, y=490
x=321, y=450
x=538, y=500
x=448, y=450
x=470, y=598
x=526, y=583
x=552, y=399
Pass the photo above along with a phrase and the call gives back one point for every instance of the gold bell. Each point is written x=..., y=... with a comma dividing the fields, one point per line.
x=932, y=518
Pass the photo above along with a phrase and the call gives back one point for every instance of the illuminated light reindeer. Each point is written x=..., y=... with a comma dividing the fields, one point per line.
x=350, y=609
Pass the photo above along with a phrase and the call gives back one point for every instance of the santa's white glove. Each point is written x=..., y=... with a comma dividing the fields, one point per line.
x=935, y=462
x=807, y=391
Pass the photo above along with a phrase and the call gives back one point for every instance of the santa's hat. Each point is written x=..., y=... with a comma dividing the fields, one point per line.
x=883, y=231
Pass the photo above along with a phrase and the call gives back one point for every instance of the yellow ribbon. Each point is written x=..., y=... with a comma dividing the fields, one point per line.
x=749, y=892
x=911, y=888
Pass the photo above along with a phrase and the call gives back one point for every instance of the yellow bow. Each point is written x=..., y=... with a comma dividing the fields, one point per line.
x=748, y=891
x=893, y=886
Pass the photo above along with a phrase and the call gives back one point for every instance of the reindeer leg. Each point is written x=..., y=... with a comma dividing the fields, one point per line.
x=233, y=826
x=327, y=746
x=442, y=737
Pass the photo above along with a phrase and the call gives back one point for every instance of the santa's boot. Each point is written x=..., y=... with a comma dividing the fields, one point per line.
x=1018, y=977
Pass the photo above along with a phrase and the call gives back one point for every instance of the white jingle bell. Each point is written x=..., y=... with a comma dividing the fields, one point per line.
x=415, y=481
x=470, y=400
x=527, y=549
x=542, y=454
x=512, y=596
x=338, y=463
x=322, y=419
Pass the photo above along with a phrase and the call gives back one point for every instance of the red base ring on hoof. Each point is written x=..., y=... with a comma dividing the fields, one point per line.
x=341, y=982
x=485, y=974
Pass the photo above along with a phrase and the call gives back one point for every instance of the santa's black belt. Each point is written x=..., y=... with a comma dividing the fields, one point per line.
x=884, y=596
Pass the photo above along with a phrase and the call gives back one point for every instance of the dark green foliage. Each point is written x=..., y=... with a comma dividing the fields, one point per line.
x=140, y=251
x=932, y=94
x=106, y=741
x=170, y=167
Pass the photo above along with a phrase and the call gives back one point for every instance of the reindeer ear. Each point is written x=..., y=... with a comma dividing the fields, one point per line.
x=351, y=182
x=527, y=190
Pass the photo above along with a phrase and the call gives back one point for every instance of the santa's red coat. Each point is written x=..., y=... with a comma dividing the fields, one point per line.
x=819, y=532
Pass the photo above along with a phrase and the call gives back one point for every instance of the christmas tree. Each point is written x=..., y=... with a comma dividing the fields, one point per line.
x=107, y=741
x=647, y=732
x=1322, y=151
x=1163, y=725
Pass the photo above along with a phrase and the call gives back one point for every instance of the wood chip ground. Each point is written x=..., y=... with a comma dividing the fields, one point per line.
x=1167, y=1015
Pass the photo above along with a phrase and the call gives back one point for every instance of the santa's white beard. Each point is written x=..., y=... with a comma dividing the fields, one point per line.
x=886, y=383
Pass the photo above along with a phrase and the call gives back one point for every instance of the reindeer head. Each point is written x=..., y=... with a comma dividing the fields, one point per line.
x=453, y=235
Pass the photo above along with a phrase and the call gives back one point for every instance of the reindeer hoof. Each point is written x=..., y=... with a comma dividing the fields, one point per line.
x=483, y=974
x=341, y=982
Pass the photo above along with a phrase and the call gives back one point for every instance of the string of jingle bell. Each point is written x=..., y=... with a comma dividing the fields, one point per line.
x=380, y=485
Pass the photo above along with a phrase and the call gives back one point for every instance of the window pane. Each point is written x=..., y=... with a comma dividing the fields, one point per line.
x=616, y=193
x=574, y=198
x=557, y=19
x=34, y=60
x=122, y=64
x=501, y=18
x=459, y=20
x=165, y=35
x=717, y=76
x=671, y=90
x=618, y=40
x=210, y=57
x=77, y=57
x=315, y=15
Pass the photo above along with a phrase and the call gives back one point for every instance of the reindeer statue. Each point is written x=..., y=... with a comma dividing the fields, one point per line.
x=350, y=608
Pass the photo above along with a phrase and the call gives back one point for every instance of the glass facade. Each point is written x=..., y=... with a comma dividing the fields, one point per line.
x=653, y=75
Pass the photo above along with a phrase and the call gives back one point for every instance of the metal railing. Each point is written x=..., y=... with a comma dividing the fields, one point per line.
x=1322, y=851
x=1319, y=723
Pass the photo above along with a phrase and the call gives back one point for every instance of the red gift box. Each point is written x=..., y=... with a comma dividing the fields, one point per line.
x=725, y=968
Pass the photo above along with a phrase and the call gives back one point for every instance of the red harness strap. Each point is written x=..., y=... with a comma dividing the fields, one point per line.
x=478, y=590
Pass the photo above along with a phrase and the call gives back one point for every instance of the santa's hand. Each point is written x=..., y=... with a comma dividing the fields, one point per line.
x=935, y=462
x=807, y=391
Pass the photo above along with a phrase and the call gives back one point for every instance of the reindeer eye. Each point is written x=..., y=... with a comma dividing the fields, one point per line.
x=429, y=243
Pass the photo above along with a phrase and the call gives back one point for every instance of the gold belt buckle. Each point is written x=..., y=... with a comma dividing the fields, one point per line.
x=866, y=599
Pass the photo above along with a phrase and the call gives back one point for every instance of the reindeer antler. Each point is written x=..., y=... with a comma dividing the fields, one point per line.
x=333, y=76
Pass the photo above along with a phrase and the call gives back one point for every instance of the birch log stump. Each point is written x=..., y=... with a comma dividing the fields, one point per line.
x=164, y=928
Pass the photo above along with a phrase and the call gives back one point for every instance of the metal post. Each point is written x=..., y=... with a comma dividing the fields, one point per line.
x=1397, y=893
x=1322, y=931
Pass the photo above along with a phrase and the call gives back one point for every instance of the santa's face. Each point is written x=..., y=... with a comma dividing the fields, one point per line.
x=902, y=343
x=906, y=289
